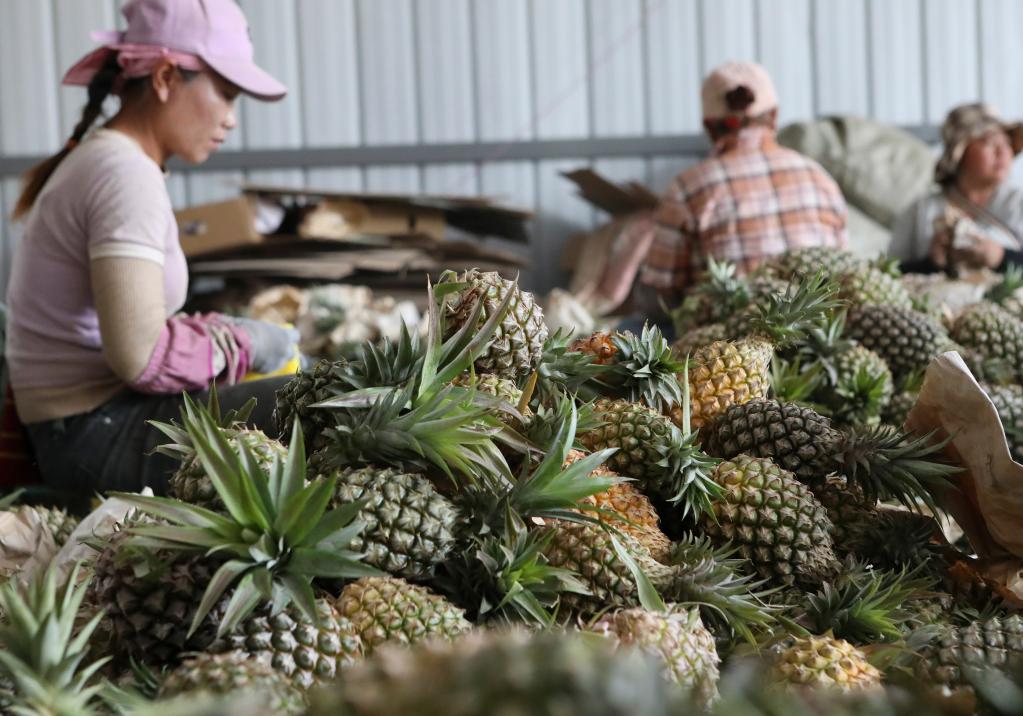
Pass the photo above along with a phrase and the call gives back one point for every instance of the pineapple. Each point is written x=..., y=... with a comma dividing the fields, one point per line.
x=663, y=460
x=994, y=333
x=880, y=460
x=644, y=370
x=390, y=610
x=39, y=657
x=729, y=373
x=695, y=338
x=800, y=263
x=598, y=345
x=871, y=285
x=424, y=422
x=638, y=518
x=990, y=644
x=230, y=673
x=518, y=343
x=858, y=383
x=507, y=673
x=408, y=524
x=508, y=408
x=59, y=523
x=275, y=538
x=1008, y=401
x=679, y=639
x=190, y=483
x=774, y=520
x=897, y=412
x=149, y=599
x=825, y=662
x=719, y=295
x=305, y=650
x=296, y=399
x=904, y=338
x=608, y=565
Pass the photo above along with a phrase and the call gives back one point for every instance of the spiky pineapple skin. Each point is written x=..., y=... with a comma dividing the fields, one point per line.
x=994, y=333
x=511, y=673
x=640, y=434
x=641, y=519
x=293, y=645
x=147, y=616
x=588, y=550
x=727, y=373
x=679, y=639
x=694, y=339
x=229, y=673
x=389, y=610
x=517, y=346
x=990, y=644
x=824, y=662
x=191, y=483
x=904, y=338
x=1008, y=401
x=295, y=399
x=57, y=521
x=846, y=505
x=774, y=520
x=807, y=261
x=797, y=439
x=598, y=345
x=869, y=285
x=898, y=408
x=408, y=524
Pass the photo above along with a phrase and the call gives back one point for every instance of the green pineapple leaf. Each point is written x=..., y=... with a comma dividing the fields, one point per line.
x=276, y=538
x=644, y=370
x=42, y=652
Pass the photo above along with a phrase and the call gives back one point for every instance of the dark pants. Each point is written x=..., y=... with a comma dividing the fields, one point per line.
x=111, y=448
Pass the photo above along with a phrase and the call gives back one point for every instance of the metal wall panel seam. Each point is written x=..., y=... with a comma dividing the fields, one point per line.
x=867, y=25
x=589, y=57
x=814, y=57
x=417, y=88
x=925, y=80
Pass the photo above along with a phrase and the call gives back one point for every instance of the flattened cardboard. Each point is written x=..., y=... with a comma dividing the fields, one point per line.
x=615, y=199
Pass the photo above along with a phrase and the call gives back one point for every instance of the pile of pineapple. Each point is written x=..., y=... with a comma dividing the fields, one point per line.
x=492, y=519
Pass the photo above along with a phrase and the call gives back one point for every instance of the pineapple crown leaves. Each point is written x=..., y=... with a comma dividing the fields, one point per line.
x=545, y=422
x=549, y=490
x=792, y=382
x=865, y=606
x=694, y=490
x=645, y=369
x=562, y=370
x=42, y=649
x=886, y=264
x=181, y=446
x=784, y=318
x=503, y=576
x=890, y=464
x=8, y=500
x=728, y=293
x=860, y=398
x=276, y=537
x=553, y=491
x=1012, y=281
x=709, y=577
x=823, y=342
x=449, y=430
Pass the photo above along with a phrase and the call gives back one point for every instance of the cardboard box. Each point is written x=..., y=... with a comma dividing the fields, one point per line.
x=214, y=227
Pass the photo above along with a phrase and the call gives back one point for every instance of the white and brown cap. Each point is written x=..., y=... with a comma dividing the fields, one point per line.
x=964, y=124
x=738, y=90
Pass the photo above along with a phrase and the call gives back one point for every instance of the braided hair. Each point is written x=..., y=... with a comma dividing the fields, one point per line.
x=35, y=179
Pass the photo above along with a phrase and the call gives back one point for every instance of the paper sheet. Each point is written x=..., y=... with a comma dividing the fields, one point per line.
x=988, y=503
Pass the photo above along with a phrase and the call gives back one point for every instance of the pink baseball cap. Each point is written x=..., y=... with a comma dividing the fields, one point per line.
x=213, y=30
x=737, y=89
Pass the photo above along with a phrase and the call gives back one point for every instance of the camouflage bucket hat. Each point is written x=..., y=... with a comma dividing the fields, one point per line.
x=964, y=124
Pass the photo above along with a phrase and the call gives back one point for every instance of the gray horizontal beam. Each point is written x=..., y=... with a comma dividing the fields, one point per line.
x=484, y=152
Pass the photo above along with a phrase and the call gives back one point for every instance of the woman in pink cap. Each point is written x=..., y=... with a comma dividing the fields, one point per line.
x=95, y=344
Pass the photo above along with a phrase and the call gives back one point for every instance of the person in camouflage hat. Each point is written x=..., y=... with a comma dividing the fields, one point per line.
x=973, y=219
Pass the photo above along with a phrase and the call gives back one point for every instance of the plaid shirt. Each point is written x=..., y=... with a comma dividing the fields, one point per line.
x=750, y=202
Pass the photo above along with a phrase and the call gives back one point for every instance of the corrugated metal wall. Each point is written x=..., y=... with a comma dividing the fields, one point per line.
x=381, y=72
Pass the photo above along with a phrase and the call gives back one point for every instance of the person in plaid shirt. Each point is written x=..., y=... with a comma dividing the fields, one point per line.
x=751, y=200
